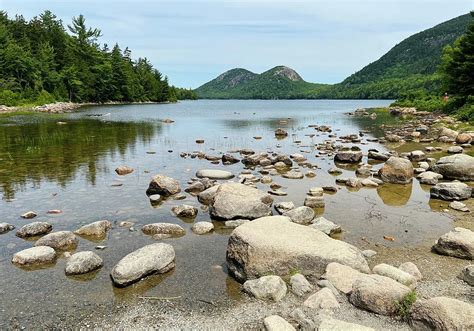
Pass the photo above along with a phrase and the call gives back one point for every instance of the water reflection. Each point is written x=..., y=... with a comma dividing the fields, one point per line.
x=45, y=151
x=395, y=194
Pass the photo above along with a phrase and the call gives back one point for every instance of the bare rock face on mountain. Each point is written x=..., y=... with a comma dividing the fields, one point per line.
x=276, y=245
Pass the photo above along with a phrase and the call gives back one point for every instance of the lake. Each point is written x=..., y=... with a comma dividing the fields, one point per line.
x=67, y=162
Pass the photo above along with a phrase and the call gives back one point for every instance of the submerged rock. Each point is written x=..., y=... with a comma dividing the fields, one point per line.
x=34, y=229
x=266, y=288
x=35, y=256
x=83, y=262
x=61, y=240
x=397, y=171
x=163, y=228
x=163, y=185
x=123, y=170
x=6, y=227
x=458, y=243
x=442, y=313
x=276, y=245
x=185, y=211
x=155, y=258
x=234, y=200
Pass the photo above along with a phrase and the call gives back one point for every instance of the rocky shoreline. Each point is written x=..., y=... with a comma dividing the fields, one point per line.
x=294, y=271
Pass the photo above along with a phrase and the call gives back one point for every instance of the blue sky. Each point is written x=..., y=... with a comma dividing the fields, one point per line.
x=194, y=41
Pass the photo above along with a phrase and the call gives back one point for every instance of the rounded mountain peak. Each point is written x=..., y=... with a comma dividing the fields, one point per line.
x=284, y=71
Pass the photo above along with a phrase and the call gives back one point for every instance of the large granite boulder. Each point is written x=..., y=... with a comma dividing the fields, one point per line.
x=163, y=185
x=397, y=171
x=458, y=166
x=458, y=243
x=451, y=191
x=155, y=258
x=377, y=294
x=442, y=313
x=234, y=201
x=276, y=245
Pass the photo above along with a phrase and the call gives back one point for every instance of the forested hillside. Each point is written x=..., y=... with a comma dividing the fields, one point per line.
x=409, y=68
x=43, y=61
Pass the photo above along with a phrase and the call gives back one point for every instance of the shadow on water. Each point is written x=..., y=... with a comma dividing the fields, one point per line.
x=47, y=151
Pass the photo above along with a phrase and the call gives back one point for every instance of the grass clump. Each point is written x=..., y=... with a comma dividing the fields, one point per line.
x=404, y=305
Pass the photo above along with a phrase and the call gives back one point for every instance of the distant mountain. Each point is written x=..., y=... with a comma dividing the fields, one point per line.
x=277, y=83
x=410, y=65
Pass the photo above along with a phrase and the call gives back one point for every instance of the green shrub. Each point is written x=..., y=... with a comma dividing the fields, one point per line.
x=404, y=305
x=9, y=98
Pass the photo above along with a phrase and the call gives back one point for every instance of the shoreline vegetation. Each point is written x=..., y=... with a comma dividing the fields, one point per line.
x=43, y=62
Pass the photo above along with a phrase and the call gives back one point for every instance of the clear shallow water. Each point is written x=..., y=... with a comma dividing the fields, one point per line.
x=46, y=164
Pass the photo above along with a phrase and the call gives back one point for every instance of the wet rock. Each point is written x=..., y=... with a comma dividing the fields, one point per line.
x=34, y=229
x=293, y=174
x=380, y=156
x=310, y=174
x=459, y=166
x=367, y=182
x=277, y=323
x=463, y=138
x=278, y=193
x=455, y=150
x=348, y=157
x=457, y=243
x=335, y=171
x=377, y=294
x=396, y=274
x=314, y=202
x=266, y=180
x=82, y=263
x=300, y=215
x=282, y=207
x=331, y=324
x=354, y=182
x=412, y=269
x=323, y=299
x=163, y=185
x=459, y=206
x=202, y=227
x=155, y=258
x=467, y=274
x=229, y=159
x=96, y=229
x=235, y=223
x=326, y=226
x=442, y=313
x=233, y=200
x=29, y=215
x=123, y=170
x=276, y=245
x=429, y=178
x=316, y=191
x=35, y=256
x=185, y=211
x=397, y=171
x=6, y=227
x=154, y=198
x=163, y=228
x=281, y=132
x=61, y=240
x=206, y=197
x=195, y=187
x=214, y=174
x=266, y=288
x=300, y=285
x=417, y=156
x=451, y=191
x=254, y=159
x=341, y=276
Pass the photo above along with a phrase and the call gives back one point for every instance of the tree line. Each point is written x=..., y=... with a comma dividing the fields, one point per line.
x=41, y=61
